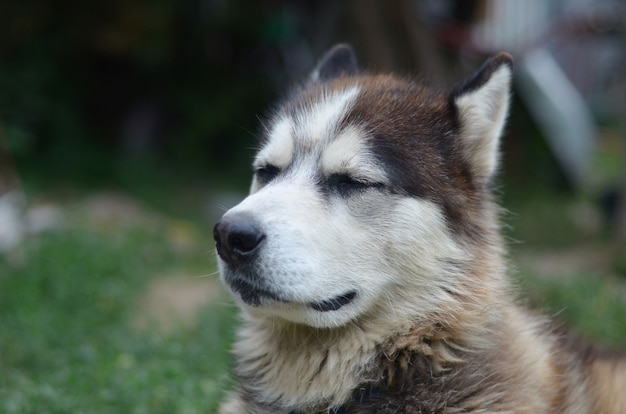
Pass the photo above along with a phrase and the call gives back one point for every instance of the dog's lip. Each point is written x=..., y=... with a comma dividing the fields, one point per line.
x=335, y=303
x=257, y=295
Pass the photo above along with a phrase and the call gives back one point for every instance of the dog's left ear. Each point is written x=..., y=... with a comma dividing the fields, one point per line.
x=482, y=104
x=338, y=61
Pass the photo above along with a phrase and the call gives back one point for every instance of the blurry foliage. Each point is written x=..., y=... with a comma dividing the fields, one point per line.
x=89, y=90
x=179, y=81
x=591, y=306
x=620, y=262
x=94, y=93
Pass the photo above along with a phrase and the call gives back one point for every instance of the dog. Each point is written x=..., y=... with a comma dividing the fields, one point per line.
x=369, y=264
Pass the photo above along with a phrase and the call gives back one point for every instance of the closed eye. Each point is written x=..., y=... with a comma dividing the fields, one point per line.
x=266, y=173
x=347, y=185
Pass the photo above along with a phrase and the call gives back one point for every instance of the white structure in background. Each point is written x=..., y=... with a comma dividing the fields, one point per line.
x=559, y=109
x=12, y=226
x=17, y=220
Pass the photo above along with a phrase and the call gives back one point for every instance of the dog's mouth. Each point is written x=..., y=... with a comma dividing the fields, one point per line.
x=255, y=295
x=335, y=303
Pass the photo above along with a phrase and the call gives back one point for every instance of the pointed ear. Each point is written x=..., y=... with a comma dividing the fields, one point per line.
x=338, y=61
x=482, y=104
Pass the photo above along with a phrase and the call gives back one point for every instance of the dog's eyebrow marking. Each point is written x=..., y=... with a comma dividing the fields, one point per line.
x=279, y=148
x=349, y=154
x=319, y=121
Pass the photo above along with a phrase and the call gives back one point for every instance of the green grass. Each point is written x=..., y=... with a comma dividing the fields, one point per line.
x=67, y=343
x=68, y=299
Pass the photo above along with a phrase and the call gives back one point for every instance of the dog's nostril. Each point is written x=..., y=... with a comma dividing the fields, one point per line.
x=237, y=238
x=245, y=239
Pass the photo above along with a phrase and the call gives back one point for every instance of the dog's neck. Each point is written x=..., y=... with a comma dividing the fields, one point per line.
x=289, y=365
x=283, y=366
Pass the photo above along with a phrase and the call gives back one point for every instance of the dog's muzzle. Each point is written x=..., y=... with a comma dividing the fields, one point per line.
x=238, y=239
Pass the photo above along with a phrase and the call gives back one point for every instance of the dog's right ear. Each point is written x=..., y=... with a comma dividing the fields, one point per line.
x=338, y=61
x=482, y=103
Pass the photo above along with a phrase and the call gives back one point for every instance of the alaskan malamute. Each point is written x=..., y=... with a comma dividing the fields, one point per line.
x=369, y=266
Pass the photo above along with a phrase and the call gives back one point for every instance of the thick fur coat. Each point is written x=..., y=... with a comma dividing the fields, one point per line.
x=369, y=266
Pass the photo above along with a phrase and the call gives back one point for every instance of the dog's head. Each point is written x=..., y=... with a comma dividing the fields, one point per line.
x=367, y=196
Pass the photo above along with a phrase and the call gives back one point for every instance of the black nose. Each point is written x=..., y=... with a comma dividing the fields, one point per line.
x=237, y=238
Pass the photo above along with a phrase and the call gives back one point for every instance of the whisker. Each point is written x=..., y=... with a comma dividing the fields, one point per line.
x=217, y=272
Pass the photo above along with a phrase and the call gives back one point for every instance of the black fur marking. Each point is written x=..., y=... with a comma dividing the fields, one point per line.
x=414, y=134
x=267, y=173
x=482, y=76
x=346, y=185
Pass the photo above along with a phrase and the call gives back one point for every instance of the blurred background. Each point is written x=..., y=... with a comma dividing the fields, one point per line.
x=127, y=127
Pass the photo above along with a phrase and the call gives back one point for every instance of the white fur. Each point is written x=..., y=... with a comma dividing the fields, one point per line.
x=319, y=123
x=278, y=150
x=348, y=154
